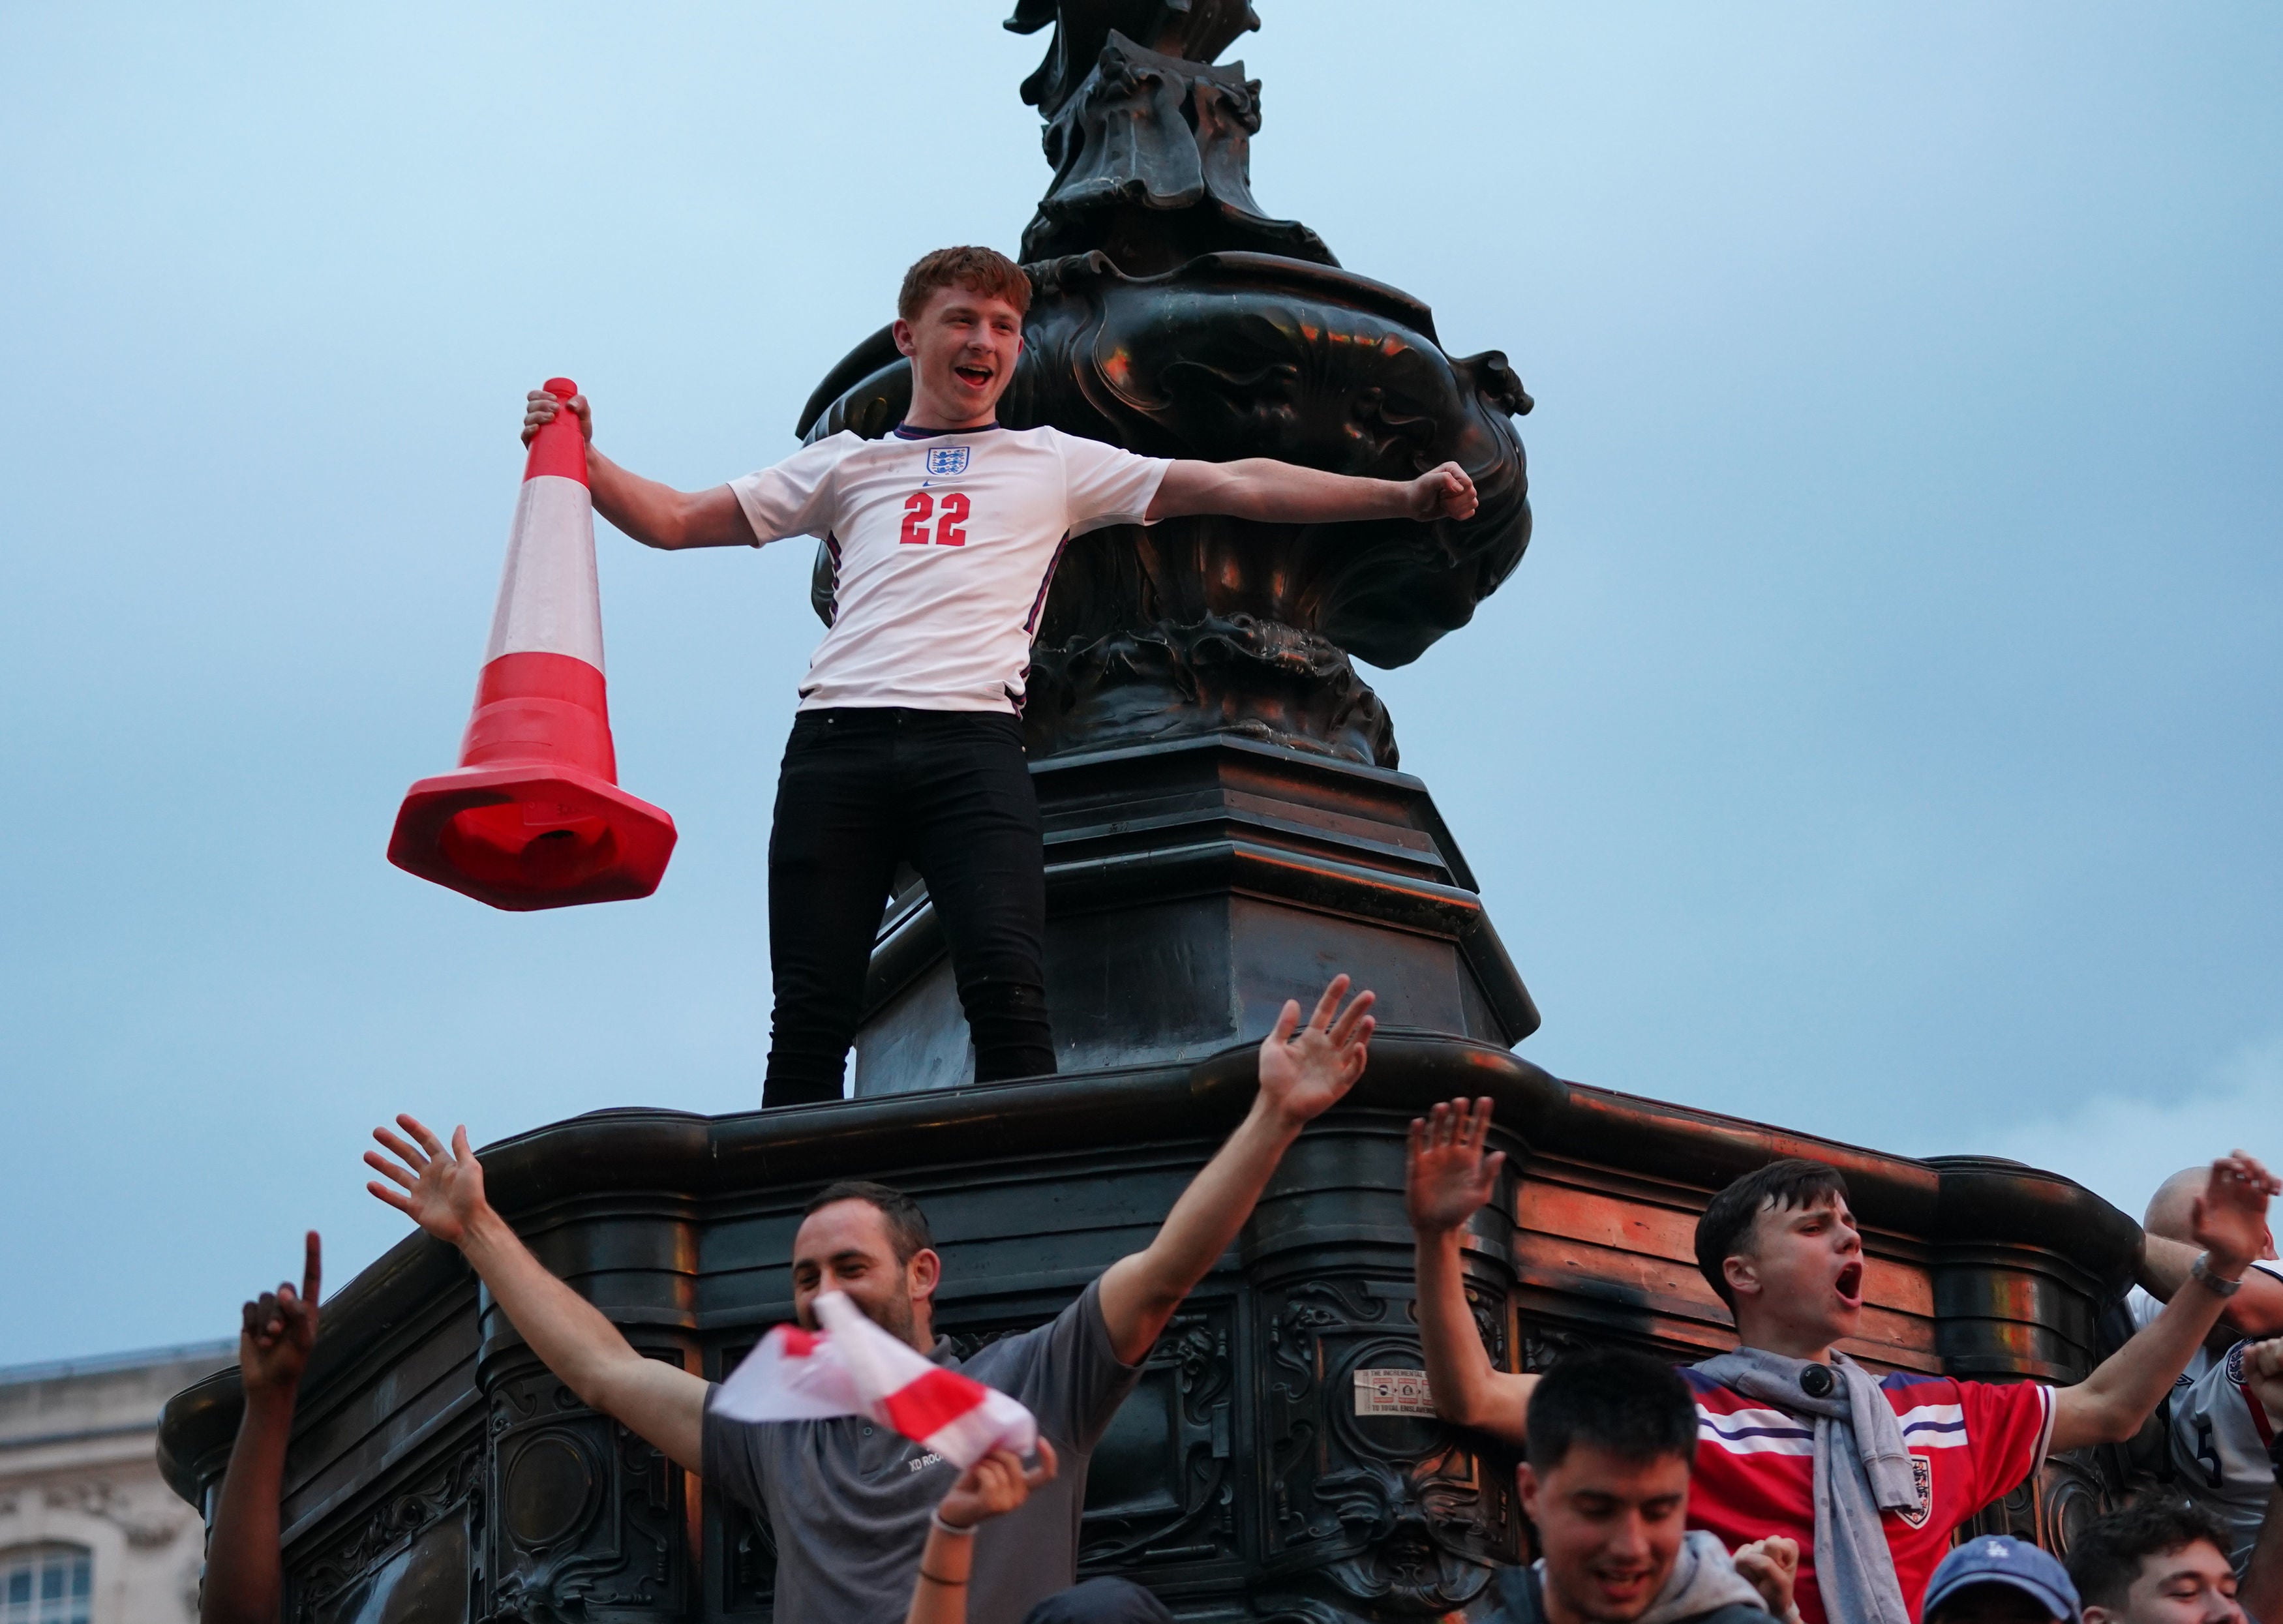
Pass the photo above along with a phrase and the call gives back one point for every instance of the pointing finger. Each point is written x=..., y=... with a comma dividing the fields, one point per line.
x=312, y=1268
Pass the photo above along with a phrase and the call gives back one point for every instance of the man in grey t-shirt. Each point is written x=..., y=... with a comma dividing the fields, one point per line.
x=849, y=1502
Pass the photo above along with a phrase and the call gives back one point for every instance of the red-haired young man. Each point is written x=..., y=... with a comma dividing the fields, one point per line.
x=909, y=744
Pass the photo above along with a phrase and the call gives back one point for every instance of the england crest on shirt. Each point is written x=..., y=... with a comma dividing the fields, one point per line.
x=1922, y=1481
x=944, y=460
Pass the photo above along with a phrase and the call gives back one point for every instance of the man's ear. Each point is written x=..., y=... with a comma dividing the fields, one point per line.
x=2102, y=1615
x=1742, y=1277
x=902, y=334
x=1525, y=1481
x=921, y=1274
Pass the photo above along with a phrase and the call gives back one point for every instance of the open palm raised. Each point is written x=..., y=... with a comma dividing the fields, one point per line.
x=2229, y=1218
x=443, y=1189
x=1304, y=1070
x=1446, y=1175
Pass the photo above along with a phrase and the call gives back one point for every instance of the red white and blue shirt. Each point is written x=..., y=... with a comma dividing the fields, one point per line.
x=1971, y=1442
x=943, y=543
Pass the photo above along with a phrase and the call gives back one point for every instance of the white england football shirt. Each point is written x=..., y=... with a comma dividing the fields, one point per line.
x=2220, y=1431
x=943, y=543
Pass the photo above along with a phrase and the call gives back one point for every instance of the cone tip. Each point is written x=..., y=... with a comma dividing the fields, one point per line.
x=561, y=388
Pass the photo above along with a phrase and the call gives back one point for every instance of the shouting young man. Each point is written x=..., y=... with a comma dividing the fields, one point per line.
x=849, y=1502
x=1872, y=1476
x=908, y=745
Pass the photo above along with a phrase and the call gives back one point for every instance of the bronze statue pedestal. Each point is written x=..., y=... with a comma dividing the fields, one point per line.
x=1226, y=828
x=1193, y=886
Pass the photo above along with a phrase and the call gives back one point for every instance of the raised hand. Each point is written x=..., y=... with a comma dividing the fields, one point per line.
x=1442, y=492
x=996, y=1485
x=1303, y=1071
x=279, y=1329
x=443, y=1189
x=2230, y=1218
x=1771, y=1567
x=540, y=407
x=1446, y=1175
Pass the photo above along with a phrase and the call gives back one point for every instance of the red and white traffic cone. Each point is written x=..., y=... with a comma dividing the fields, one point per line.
x=533, y=818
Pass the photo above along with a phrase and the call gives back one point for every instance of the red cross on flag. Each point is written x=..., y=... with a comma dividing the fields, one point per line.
x=853, y=1367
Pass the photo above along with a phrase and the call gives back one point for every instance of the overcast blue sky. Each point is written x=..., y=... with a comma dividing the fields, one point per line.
x=1881, y=736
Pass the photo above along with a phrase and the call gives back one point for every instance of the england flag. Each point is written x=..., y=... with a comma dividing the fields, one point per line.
x=853, y=1367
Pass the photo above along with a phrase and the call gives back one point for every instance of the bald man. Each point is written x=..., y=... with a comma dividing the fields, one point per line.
x=2219, y=1435
x=2169, y=1254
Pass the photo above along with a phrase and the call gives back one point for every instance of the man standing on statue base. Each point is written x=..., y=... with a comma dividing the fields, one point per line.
x=908, y=743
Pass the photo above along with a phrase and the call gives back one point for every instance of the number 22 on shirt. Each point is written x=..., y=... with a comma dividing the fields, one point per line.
x=950, y=528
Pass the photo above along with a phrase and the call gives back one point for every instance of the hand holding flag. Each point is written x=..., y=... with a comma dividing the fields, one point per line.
x=853, y=1367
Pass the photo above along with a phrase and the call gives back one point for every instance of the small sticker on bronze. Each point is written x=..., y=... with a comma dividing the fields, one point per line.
x=1392, y=1392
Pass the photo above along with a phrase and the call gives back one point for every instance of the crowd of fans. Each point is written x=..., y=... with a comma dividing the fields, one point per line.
x=1781, y=1480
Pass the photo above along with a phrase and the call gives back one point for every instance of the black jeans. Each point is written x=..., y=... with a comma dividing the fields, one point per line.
x=949, y=792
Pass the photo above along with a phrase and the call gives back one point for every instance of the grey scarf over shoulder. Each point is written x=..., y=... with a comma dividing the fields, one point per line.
x=1861, y=1469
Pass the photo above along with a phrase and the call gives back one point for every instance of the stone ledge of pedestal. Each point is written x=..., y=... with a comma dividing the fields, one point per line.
x=1223, y=1479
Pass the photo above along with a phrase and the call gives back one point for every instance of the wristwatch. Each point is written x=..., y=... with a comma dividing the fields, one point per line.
x=2200, y=1271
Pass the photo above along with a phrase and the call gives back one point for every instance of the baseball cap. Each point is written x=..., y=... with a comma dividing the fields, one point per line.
x=2002, y=1559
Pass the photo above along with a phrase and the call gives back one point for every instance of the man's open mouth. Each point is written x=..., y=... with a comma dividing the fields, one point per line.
x=1850, y=1285
x=979, y=377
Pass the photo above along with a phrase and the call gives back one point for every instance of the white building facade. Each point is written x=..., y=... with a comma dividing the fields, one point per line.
x=88, y=1532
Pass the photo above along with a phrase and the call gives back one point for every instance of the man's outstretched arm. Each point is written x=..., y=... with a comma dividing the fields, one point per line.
x=1303, y=1072
x=2255, y=1311
x=442, y=1191
x=1284, y=493
x=1446, y=1178
x=653, y=514
x=245, y=1577
x=2231, y=1225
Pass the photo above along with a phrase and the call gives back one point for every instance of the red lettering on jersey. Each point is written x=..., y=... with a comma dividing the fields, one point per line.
x=947, y=530
x=918, y=507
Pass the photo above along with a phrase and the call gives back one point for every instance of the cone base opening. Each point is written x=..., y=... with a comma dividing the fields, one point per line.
x=540, y=846
x=532, y=836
